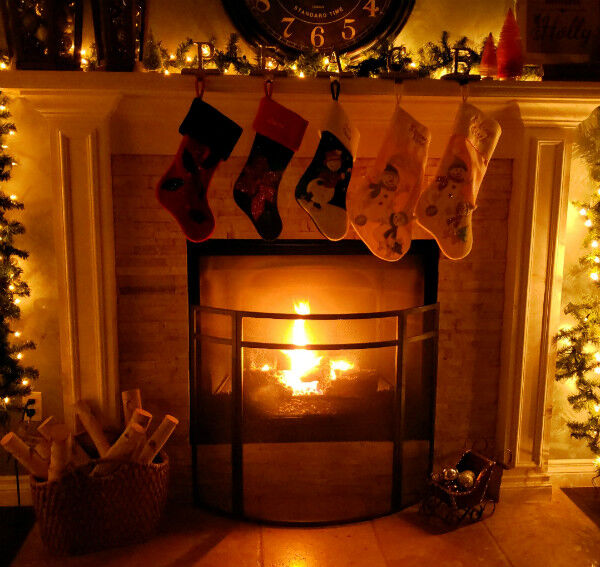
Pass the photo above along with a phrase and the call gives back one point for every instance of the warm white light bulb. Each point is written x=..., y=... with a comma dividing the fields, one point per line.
x=20, y=356
x=24, y=381
x=6, y=400
x=301, y=74
x=18, y=299
x=597, y=370
x=582, y=212
x=594, y=276
x=13, y=197
x=413, y=65
x=82, y=52
x=326, y=61
x=167, y=72
x=17, y=333
x=597, y=408
x=11, y=287
x=172, y=56
x=3, y=65
x=188, y=59
x=588, y=223
x=594, y=244
x=11, y=132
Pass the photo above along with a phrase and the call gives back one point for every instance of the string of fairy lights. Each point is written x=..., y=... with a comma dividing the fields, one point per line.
x=15, y=379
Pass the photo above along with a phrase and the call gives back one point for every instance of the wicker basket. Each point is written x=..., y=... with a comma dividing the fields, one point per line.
x=83, y=513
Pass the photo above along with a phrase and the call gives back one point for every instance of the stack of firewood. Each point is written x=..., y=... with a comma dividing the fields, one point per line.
x=58, y=451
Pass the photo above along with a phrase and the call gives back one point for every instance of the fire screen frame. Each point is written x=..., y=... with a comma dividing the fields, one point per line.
x=236, y=342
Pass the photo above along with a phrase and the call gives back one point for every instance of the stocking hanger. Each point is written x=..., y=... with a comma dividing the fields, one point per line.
x=268, y=86
x=335, y=87
x=398, y=90
x=200, y=84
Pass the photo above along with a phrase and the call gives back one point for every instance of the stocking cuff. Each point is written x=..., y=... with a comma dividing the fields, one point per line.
x=480, y=130
x=340, y=126
x=205, y=124
x=280, y=124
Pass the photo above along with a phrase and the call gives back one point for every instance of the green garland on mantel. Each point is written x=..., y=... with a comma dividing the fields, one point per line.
x=433, y=60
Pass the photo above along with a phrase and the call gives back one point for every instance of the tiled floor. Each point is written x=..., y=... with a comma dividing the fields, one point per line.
x=519, y=534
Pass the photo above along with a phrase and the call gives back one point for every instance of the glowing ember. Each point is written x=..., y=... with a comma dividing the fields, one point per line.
x=307, y=370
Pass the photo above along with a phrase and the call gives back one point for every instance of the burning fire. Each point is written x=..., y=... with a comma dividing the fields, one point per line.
x=307, y=370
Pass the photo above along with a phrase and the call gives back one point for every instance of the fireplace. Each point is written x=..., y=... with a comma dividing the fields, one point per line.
x=313, y=369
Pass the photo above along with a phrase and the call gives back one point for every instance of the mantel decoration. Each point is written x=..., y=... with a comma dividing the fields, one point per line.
x=43, y=34
x=119, y=27
x=294, y=27
x=578, y=352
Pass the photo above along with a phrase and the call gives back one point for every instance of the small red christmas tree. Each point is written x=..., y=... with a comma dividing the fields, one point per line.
x=510, y=50
x=489, y=64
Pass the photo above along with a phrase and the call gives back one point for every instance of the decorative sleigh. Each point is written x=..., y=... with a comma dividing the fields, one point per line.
x=454, y=506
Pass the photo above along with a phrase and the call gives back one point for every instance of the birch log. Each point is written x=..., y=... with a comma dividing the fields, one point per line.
x=158, y=439
x=123, y=448
x=25, y=455
x=93, y=427
x=132, y=400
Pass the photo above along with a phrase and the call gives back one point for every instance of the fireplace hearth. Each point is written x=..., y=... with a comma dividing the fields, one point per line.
x=311, y=417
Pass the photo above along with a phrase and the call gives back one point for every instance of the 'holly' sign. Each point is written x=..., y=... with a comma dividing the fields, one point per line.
x=562, y=29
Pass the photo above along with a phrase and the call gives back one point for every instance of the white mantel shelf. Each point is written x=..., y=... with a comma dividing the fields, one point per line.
x=146, y=83
x=95, y=115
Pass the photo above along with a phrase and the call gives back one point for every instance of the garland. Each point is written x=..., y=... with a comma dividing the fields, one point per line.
x=578, y=353
x=15, y=379
x=432, y=60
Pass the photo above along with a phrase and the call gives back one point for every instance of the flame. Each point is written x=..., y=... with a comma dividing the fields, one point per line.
x=304, y=362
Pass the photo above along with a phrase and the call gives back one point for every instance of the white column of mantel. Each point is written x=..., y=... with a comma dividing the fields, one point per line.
x=537, y=228
x=84, y=237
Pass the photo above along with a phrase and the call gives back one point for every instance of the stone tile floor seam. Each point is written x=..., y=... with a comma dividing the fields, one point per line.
x=495, y=540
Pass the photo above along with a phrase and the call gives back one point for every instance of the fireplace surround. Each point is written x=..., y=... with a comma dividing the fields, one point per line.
x=348, y=393
x=120, y=264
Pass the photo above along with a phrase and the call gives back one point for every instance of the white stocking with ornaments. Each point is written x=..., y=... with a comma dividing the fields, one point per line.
x=446, y=206
x=381, y=205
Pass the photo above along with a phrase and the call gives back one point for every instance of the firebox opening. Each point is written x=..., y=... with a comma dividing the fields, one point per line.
x=312, y=378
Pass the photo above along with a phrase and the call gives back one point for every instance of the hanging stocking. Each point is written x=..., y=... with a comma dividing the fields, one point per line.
x=381, y=206
x=446, y=206
x=321, y=191
x=279, y=132
x=208, y=137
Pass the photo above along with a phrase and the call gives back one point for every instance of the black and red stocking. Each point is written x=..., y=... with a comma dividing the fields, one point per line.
x=208, y=138
x=279, y=132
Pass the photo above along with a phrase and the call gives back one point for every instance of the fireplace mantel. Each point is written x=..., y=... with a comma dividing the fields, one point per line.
x=95, y=115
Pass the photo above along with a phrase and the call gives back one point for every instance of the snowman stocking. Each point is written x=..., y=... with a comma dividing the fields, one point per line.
x=208, y=138
x=446, y=206
x=381, y=206
x=279, y=132
x=321, y=191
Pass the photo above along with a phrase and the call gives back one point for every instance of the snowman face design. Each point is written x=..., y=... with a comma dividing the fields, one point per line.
x=389, y=179
x=457, y=174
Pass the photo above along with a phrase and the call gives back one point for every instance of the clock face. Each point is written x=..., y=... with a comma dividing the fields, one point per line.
x=296, y=26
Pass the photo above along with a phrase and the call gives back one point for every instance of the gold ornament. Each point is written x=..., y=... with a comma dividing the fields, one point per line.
x=450, y=474
x=466, y=479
